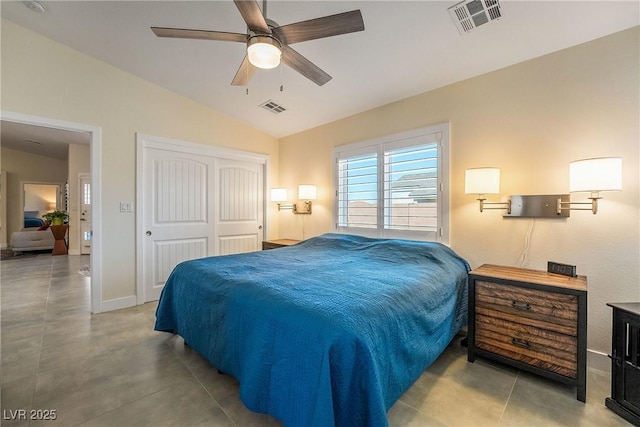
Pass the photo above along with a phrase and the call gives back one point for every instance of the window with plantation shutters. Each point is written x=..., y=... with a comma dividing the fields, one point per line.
x=395, y=186
x=358, y=191
x=411, y=188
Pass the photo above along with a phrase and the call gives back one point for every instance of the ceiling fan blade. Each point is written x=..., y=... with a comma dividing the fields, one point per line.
x=179, y=33
x=305, y=67
x=333, y=25
x=244, y=73
x=252, y=15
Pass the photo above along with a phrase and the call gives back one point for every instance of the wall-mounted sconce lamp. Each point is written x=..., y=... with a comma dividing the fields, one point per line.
x=305, y=192
x=483, y=181
x=588, y=175
x=592, y=176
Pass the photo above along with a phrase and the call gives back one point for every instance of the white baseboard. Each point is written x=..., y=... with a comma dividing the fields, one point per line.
x=599, y=361
x=118, y=303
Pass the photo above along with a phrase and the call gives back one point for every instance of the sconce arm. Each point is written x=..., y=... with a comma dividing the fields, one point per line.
x=282, y=207
x=567, y=206
x=504, y=205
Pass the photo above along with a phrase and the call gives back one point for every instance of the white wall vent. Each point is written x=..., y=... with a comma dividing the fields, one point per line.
x=470, y=14
x=272, y=106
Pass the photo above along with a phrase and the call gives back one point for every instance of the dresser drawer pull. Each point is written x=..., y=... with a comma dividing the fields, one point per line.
x=520, y=305
x=520, y=342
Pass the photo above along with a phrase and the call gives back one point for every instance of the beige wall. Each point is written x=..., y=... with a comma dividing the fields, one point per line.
x=26, y=167
x=81, y=89
x=41, y=198
x=79, y=163
x=530, y=120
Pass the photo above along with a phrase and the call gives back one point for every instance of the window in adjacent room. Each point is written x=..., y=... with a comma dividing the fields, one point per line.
x=394, y=186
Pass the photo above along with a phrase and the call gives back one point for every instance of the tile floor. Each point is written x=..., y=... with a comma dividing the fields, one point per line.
x=112, y=369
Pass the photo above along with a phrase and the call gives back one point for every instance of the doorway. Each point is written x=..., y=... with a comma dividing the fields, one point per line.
x=94, y=134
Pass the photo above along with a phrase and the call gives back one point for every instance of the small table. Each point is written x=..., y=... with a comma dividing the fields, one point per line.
x=278, y=243
x=59, y=233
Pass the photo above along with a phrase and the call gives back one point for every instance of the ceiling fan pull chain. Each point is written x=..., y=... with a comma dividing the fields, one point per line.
x=246, y=91
x=281, y=78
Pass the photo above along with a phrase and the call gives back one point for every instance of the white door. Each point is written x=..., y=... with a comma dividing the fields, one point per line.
x=85, y=213
x=177, y=212
x=239, y=208
x=193, y=206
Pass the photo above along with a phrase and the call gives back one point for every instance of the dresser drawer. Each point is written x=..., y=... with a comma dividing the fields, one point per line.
x=547, y=310
x=534, y=346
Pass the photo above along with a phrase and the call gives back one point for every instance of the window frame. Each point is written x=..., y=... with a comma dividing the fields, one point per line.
x=437, y=133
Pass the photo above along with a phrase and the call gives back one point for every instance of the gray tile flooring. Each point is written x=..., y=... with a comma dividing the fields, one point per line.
x=112, y=369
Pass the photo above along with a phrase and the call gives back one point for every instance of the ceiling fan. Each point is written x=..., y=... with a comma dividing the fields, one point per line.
x=268, y=43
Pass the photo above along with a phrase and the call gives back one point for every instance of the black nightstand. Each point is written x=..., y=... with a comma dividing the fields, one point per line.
x=278, y=243
x=625, y=362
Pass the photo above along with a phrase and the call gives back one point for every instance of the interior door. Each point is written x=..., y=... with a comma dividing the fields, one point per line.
x=240, y=208
x=85, y=214
x=177, y=213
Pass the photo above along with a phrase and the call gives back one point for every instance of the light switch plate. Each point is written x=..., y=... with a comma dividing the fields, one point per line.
x=126, y=206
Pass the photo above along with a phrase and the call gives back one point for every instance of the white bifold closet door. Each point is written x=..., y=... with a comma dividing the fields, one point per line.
x=196, y=206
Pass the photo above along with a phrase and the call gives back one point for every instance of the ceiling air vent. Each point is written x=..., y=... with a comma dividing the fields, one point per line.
x=471, y=14
x=273, y=107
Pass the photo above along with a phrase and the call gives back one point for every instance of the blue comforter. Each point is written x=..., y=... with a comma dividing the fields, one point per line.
x=331, y=331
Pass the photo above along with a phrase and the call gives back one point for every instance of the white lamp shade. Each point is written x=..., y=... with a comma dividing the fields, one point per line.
x=278, y=194
x=307, y=192
x=263, y=52
x=593, y=175
x=482, y=181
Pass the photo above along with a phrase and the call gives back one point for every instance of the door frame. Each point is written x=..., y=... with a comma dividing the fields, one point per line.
x=179, y=146
x=95, y=138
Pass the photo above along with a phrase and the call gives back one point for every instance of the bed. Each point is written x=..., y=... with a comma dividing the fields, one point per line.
x=331, y=331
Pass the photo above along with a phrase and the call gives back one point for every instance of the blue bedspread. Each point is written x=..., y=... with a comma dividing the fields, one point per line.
x=331, y=331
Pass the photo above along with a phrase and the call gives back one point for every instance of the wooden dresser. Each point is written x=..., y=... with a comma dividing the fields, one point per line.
x=533, y=320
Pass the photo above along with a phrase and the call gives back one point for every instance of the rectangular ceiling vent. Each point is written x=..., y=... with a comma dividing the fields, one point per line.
x=470, y=14
x=273, y=107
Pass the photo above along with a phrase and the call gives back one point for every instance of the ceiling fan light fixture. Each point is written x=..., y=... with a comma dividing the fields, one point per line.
x=264, y=52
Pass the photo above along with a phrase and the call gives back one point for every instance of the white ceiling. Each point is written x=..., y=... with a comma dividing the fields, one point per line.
x=40, y=140
x=408, y=47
